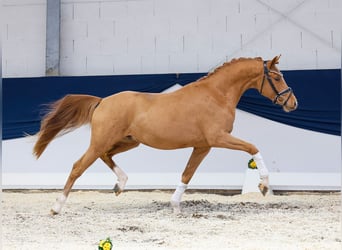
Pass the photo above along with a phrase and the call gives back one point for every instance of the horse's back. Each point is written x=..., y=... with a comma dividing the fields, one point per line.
x=130, y=100
x=123, y=106
x=141, y=100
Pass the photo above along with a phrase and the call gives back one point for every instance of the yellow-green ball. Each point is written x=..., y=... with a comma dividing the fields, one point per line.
x=252, y=164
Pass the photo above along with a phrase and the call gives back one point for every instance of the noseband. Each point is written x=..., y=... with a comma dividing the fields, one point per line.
x=269, y=79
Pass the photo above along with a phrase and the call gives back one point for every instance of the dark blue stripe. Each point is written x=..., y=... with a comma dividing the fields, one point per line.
x=318, y=93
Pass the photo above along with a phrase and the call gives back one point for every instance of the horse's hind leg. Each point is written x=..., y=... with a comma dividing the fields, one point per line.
x=196, y=158
x=78, y=169
x=125, y=144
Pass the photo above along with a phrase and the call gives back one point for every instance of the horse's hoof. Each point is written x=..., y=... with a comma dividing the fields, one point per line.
x=117, y=190
x=263, y=189
x=53, y=212
x=176, y=207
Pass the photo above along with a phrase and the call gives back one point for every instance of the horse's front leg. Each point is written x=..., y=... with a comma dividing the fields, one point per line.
x=196, y=158
x=228, y=141
x=263, y=172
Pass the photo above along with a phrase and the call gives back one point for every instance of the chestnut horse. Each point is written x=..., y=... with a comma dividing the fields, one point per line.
x=199, y=115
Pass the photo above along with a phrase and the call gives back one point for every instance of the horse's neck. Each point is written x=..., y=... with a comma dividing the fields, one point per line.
x=234, y=80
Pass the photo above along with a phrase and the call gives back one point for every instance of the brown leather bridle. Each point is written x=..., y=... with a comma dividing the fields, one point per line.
x=269, y=79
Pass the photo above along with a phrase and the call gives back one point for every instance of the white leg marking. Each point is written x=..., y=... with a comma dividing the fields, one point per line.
x=122, y=179
x=177, y=197
x=263, y=172
x=57, y=207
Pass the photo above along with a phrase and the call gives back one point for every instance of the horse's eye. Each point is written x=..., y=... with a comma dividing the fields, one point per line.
x=277, y=78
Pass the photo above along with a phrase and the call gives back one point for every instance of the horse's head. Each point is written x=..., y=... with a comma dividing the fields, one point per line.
x=274, y=87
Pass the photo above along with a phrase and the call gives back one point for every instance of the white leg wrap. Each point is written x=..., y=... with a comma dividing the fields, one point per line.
x=263, y=171
x=57, y=207
x=122, y=177
x=177, y=195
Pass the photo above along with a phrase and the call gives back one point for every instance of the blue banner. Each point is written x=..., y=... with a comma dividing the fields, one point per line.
x=318, y=93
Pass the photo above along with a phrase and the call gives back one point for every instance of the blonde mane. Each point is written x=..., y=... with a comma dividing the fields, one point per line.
x=227, y=64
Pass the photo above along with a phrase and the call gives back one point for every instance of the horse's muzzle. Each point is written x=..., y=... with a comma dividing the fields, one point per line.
x=289, y=108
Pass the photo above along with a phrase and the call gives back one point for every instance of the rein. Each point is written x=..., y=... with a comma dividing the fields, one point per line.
x=269, y=79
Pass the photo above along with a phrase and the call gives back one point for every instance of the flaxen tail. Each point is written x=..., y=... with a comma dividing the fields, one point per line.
x=65, y=115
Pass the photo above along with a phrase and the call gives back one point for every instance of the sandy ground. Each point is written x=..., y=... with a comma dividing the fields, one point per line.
x=144, y=220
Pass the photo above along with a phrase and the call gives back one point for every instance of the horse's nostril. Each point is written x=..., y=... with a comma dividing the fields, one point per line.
x=295, y=105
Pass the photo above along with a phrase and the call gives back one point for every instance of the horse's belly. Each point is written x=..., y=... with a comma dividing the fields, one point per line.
x=169, y=136
x=171, y=143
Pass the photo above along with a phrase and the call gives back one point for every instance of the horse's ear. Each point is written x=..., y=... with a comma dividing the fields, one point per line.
x=275, y=61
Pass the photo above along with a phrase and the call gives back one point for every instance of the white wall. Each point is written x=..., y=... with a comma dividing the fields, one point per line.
x=158, y=36
x=23, y=38
x=296, y=158
x=146, y=36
